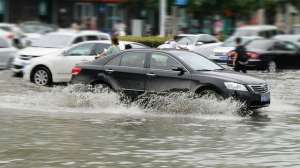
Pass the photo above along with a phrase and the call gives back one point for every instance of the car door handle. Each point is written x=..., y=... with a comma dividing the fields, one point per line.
x=109, y=71
x=151, y=74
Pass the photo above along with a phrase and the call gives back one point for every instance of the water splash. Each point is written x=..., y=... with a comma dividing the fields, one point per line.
x=82, y=98
x=186, y=103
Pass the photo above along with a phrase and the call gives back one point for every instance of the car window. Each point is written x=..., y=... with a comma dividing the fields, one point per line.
x=81, y=50
x=103, y=37
x=99, y=48
x=161, y=61
x=91, y=38
x=207, y=39
x=287, y=46
x=187, y=40
x=78, y=40
x=115, y=61
x=133, y=59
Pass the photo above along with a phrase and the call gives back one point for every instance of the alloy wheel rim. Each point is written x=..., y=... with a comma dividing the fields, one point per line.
x=41, y=77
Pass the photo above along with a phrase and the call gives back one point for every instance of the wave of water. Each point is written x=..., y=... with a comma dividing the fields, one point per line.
x=80, y=98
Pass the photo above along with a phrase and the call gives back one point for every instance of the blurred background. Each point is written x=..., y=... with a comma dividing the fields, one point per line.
x=154, y=17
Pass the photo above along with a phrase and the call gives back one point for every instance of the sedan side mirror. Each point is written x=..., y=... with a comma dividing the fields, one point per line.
x=181, y=70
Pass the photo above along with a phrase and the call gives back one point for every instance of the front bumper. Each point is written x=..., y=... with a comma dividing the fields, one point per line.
x=252, y=100
x=19, y=65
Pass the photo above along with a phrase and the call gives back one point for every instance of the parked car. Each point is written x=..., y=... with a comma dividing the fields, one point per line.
x=190, y=41
x=271, y=54
x=16, y=34
x=150, y=70
x=220, y=54
x=7, y=53
x=51, y=43
x=35, y=29
x=265, y=31
x=294, y=38
x=57, y=67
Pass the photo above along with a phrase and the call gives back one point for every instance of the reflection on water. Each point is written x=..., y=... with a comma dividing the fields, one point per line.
x=69, y=127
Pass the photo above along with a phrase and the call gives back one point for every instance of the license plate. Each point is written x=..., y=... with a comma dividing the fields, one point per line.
x=265, y=98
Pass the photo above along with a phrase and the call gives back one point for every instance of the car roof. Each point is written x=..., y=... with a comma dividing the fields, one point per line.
x=109, y=42
x=257, y=27
x=287, y=36
x=79, y=33
x=7, y=24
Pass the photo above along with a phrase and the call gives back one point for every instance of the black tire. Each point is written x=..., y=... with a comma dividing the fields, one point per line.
x=41, y=76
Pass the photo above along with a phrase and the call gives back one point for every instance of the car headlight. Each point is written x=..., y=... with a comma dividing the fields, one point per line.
x=235, y=86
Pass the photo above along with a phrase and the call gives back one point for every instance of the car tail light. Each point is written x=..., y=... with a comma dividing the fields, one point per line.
x=76, y=70
x=253, y=55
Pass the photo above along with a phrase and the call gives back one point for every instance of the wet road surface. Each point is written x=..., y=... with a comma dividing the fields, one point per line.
x=59, y=128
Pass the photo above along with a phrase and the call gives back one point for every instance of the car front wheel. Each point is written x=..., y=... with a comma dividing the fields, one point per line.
x=42, y=77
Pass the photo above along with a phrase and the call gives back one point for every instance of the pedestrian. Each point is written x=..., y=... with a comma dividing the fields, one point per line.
x=113, y=49
x=240, y=58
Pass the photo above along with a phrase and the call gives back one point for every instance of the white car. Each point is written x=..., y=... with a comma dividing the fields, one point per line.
x=7, y=53
x=220, y=54
x=51, y=43
x=57, y=67
x=191, y=41
x=265, y=31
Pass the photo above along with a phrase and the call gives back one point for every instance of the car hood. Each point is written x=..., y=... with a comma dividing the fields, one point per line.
x=38, y=51
x=230, y=76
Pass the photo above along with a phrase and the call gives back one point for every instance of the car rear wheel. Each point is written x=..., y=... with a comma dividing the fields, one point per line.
x=42, y=77
x=272, y=66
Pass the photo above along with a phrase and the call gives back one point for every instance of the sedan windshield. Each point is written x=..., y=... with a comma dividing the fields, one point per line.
x=52, y=41
x=196, y=61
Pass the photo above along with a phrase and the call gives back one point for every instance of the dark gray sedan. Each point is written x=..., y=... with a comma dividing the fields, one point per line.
x=151, y=70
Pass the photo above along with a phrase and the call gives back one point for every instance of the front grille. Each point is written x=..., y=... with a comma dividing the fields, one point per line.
x=25, y=57
x=263, y=88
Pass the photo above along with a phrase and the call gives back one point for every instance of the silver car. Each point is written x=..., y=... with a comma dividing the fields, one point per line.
x=7, y=53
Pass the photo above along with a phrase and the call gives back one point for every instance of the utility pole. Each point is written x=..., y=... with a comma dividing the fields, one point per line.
x=162, y=17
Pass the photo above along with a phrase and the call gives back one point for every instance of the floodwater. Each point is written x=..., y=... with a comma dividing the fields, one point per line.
x=63, y=127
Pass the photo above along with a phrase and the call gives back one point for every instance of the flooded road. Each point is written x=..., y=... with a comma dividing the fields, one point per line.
x=60, y=127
